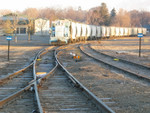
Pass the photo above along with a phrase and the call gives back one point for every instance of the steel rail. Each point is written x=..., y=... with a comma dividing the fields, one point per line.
x=102, y=107
x=36, y=90
x=39, y=81
x=122, y=60
x=118, y=68
x=35, y=83
x=14, y=95
x=2, y=80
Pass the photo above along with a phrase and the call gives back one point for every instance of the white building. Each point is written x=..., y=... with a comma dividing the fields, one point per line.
x=21, y=26
x=41, y=26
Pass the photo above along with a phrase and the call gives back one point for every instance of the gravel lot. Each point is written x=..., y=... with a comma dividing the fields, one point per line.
x=21, y=53
x=126, y=48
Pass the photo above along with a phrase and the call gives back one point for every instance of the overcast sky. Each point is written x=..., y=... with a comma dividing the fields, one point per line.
x=85, y=4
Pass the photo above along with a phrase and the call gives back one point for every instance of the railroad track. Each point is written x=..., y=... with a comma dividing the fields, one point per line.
x=122, y=94
x=57, y=95
x=16, y=83
x=59, y=91
x=15, y=93
x=18, y=90
x=131, y=69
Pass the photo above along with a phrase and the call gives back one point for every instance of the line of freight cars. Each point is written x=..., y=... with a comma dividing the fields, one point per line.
x=66, y=31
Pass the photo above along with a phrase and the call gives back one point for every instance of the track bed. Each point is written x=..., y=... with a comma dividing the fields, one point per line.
x=58, y=95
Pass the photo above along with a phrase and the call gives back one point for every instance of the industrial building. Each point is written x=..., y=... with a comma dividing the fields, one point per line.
x=21, y=25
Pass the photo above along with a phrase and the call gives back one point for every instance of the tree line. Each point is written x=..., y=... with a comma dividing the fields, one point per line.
x=101, y=16
x=96, y=16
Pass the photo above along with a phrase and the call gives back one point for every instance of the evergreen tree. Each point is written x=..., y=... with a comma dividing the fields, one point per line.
x=112, y=16
x=105, y=18
x=113, y=13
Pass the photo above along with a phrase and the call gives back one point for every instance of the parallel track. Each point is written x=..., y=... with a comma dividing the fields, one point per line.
x=120, y=93
x=137, y=71
x=23, y=102
x=17, y=83
x=18, y=91
x=137, y=65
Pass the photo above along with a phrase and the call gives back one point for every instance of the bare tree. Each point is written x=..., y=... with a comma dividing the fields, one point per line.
x=10, y=25
x=49, y=13
x=7, y=26
x=5, y=11
x=144, y=18
x=122, y=19
x=99, y=15
x=135, y=18
x=70, y=13
x=93, y=16
x=31, y=14
x=14, y=26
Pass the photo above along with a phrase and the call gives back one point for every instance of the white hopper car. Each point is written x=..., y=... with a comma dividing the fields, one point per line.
x=88, y=31
x=98, y=31
x=83, y=32
x=66, y=31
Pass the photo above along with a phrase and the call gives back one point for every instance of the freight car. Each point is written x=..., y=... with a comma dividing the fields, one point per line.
x=66, y=31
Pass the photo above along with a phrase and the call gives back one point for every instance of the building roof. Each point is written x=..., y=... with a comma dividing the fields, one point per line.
x=13, y=17
x=3, y=18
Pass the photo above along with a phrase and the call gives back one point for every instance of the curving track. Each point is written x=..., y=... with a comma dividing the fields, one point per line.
x=18, y=90
x=58, y=95
x=120, y=93
x=128, y=68
x=57, y=90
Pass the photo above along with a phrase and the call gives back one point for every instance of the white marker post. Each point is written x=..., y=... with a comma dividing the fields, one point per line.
x=8, y=38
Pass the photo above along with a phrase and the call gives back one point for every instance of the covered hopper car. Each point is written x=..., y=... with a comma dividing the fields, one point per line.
x=67, y=31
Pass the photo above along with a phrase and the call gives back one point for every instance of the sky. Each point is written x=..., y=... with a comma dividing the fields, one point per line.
x=128, y=5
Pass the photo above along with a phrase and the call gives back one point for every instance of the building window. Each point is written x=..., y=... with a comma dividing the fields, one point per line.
x=17, y=30
x=22, y=30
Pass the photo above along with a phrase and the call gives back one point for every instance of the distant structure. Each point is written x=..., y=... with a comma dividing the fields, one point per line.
x=40, y=26
x=21, y=26
x=147, y=27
